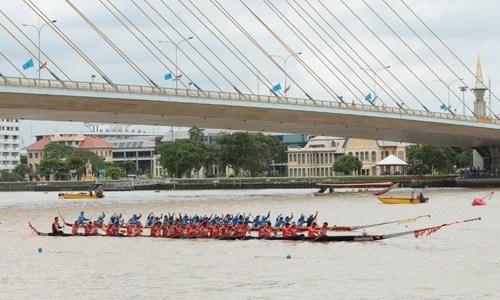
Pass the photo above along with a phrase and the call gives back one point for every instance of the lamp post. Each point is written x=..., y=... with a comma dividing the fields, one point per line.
x=176, y=45
x=285, y=61
x=463, y=89
x=374, y=72
x=39, y=31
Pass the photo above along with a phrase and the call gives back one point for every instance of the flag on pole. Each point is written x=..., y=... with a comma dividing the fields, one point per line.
x=276, y=87
x=28, y=64
x=369, y=97
x=177, y=77
x=42, y=66
x=443, y=106
x=287, y=88
x=168, y=76
x=374, y=98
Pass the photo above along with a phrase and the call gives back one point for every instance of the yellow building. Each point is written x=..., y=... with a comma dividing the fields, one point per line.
x=317, y=157
x=98, y=146
x=369, y=152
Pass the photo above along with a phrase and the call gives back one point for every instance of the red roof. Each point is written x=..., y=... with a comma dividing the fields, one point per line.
x=91, y=142
x=39, y=145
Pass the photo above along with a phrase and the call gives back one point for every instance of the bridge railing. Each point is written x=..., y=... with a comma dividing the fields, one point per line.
x=137, y=89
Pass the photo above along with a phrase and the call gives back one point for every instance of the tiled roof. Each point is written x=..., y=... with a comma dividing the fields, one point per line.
x=91, y=142
x=39, y=145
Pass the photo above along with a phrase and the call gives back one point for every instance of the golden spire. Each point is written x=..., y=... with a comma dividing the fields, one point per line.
x=479, y=75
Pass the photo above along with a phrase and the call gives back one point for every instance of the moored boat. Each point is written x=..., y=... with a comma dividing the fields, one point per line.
x=378, y=188
x=76, y=196
x=402, y=200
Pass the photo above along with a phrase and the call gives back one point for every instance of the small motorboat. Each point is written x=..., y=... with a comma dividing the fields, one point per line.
x=75, y=196
x=402, y=200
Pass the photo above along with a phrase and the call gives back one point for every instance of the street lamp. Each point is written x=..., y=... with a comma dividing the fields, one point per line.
x=176, y=54
x=92, y=78
x=39, y=31
x=463, y=89
x=285, y=60
x=448, y=85
x=374, y=72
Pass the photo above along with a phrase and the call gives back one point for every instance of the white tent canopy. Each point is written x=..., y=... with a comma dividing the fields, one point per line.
x=391, y=160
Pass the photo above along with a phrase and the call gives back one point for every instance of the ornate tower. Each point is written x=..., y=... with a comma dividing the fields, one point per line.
x=479, y=91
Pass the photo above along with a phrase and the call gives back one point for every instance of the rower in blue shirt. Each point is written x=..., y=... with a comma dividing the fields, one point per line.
x=302, y=220
x=81, y=218
x=151, y=219
x=100, y=219
x=134, y=219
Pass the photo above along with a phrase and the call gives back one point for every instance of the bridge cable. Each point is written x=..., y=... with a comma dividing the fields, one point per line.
x=310, y=45
x=448, y=48
x=180, y=49
x=417, y=55
x=332, y=48
x=327, y=33
x=332, y=93
x=211, y=51
x=256, y=43
x=24, y=46
x=247, y=63
x=63, y=36
x=395, y=55
x=36, y=46
x=375, y=57
x=113, y=46
x=12, y=65
x=138, y=38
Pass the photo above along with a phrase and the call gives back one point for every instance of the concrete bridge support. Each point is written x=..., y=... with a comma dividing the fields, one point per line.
x=487, y=158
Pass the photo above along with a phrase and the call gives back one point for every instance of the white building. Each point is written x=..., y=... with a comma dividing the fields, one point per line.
x=9, y=144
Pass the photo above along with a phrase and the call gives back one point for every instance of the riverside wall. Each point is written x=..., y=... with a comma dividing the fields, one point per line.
x=245, y=183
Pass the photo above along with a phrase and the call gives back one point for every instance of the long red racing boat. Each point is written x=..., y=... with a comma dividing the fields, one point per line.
x=325, y=238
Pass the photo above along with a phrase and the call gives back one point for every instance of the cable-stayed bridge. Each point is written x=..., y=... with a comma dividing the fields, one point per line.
x=370, y=86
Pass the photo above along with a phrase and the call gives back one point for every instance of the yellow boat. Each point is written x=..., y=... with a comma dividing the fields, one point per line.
x=401, y=200
x=79, y=196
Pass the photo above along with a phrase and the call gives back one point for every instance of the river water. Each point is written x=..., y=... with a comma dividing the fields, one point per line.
x=456, y=262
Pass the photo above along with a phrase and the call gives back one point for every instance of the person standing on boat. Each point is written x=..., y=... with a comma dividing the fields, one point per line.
x=56, y=227
x=81, y=218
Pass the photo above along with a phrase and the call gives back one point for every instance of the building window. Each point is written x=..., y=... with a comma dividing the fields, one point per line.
x=362, y=156
x=30, y=155
x=374, y=156
x=36, y=155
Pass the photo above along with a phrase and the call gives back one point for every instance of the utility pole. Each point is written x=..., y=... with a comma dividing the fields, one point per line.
x=176, y=45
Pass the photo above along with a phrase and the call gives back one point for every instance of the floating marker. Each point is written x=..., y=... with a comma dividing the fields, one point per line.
x=40, y=249
x=288, y=256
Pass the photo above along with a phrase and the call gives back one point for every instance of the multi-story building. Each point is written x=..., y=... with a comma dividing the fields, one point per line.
x=9, y=144
x=99, y=146
x=317, y=157
x=142, y=150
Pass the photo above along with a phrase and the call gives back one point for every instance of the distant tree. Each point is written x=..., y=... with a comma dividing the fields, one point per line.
x=347, y=164
x=53, y=166
x=57, y=151
x=128, y=167
x=114, y=171
x=24, y=159
x=9, y=176
x=21, y=170
x=429, y=159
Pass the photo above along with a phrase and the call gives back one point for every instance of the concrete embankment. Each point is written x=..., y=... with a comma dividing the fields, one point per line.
x=244, y=183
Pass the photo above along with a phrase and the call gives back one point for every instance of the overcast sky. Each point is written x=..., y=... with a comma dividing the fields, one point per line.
x=470, y=28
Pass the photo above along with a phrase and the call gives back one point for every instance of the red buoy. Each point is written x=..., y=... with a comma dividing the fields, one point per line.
x=478, y=201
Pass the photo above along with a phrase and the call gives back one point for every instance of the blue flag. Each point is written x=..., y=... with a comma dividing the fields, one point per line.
x=369, y=97
x=28, y=64
x=168, y=76
x=277, y=87
x=444, y=106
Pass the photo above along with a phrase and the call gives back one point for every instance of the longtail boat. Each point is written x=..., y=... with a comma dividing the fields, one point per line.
x=402, y=200
x=377, y=188
x=76, y=196
x=326, y=238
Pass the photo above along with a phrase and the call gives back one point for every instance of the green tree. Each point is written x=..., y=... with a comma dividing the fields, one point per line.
x=429, y=159
x=53, y=166
x=128, y=167
x=182, y=157
x=57, y=151
x=114, y=171
x=347, y=164
x=21, y=170
x=9, y=176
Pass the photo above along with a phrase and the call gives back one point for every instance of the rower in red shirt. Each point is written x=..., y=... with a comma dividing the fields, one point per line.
x=312, y=230
x=285, y=230
x=293, y=230
x=265, y=231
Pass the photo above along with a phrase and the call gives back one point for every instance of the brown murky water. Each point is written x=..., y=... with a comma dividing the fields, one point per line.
x=456, y=262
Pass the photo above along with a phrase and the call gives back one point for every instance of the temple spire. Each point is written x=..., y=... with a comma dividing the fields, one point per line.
x=479, y=75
